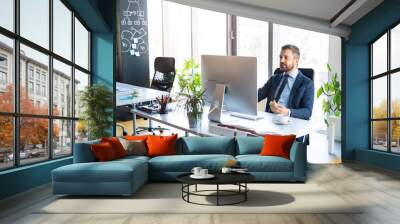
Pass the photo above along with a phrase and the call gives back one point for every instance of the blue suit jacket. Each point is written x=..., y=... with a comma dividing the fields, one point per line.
x=301, y=98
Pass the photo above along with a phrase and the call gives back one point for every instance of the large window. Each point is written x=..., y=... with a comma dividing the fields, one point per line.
x=38, y=124
x=62, y=32
x=7, y=14
x=252, y=40
x=184, y=32
x=385, y=97
x=34, y=23
x=81, y=45
x=177, y=20
x=209, y=33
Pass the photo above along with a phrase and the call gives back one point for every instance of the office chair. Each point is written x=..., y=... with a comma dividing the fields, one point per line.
x=309, y=73
x=124, y=133
x=164, y=74
x=163, y=79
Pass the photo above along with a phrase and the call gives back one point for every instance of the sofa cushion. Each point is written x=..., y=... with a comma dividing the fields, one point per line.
x=112, y=171
x=257, y=163
x=249, y=145
x=277, y=145
x=134, y=147
x=185, y=163
x=206, y=145
x=103, y=152
x=161, y=145
x=136, y=137
x=116, y=145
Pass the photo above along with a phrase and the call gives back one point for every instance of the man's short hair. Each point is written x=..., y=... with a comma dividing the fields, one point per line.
x=293, y=48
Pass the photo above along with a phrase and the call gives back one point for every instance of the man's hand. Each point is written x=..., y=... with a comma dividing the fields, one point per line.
x=278, y=108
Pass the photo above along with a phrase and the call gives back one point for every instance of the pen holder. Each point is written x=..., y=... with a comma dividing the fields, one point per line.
x=163, y=109
x=163, y=101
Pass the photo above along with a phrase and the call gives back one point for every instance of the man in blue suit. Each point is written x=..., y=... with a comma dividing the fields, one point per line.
x=290, y=92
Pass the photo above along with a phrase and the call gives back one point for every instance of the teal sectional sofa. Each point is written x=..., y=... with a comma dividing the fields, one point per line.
x=125, y=176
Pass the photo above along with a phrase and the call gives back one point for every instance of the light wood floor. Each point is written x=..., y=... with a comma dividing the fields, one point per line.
x=378, y=189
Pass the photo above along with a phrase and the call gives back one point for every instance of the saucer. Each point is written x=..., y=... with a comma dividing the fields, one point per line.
x=276, y=121
x=208, y=176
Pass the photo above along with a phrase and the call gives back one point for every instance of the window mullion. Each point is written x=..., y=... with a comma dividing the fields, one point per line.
x=73, y=82
x=50, y=81
x=389, y=106
x=16, y=83
x=270, y=48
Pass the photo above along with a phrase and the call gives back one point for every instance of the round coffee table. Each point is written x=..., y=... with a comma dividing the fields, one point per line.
x=238, y=179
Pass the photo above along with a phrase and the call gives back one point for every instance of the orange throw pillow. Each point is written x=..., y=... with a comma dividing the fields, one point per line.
x=277, y=145
x=116, y=145
x=136, y=137
x=103, y=152
x=161, y=145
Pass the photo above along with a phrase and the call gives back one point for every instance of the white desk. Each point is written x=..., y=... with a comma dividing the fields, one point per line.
x=124, y=94
x=125, y=98
x=179, y=120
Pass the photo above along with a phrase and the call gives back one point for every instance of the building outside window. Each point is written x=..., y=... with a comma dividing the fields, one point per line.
x=3, y=72
x=3, y=78
x=30, y=72
x=38, y=89
x=30, y=87
x=3, y=61
x=37, y=75
x=43, y=90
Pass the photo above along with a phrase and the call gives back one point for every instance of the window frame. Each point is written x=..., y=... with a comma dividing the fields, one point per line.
x=16, y=114
x=388, y=74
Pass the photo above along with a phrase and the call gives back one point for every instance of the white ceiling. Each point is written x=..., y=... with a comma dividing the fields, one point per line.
x=316, y=15
x=318, y=9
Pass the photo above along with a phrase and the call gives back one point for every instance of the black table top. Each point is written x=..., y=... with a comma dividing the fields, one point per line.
x=220, y=178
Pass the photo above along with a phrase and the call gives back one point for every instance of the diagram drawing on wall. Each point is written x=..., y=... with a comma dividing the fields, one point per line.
x=133, y=29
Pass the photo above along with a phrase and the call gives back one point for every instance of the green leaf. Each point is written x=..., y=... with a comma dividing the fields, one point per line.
x=329, y=68
x=319, y=92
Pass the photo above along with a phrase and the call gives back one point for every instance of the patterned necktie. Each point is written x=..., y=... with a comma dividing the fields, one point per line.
x=284, y=81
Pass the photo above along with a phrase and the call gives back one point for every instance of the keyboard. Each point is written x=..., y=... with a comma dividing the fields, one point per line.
x=247, y=116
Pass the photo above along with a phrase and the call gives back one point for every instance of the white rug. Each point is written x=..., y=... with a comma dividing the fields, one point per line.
x=166, y=198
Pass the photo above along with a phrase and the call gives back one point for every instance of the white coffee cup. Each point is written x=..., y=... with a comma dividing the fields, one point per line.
x=283, y=119
x=203, y=172
x=226, y=170
x=196, y=171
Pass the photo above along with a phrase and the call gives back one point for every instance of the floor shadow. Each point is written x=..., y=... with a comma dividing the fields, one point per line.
x=255, y=198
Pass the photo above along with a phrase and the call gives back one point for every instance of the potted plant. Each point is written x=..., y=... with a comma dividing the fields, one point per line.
x=332, y=102
x=96, y=102
x=191, y=92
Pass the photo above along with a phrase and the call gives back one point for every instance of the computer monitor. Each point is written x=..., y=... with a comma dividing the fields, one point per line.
x=239, y=74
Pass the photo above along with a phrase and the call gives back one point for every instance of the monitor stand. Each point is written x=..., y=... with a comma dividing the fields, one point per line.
x=216, y=106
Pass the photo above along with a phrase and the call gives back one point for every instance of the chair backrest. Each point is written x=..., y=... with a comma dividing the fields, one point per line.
x=309, y=72
x=164, y=74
